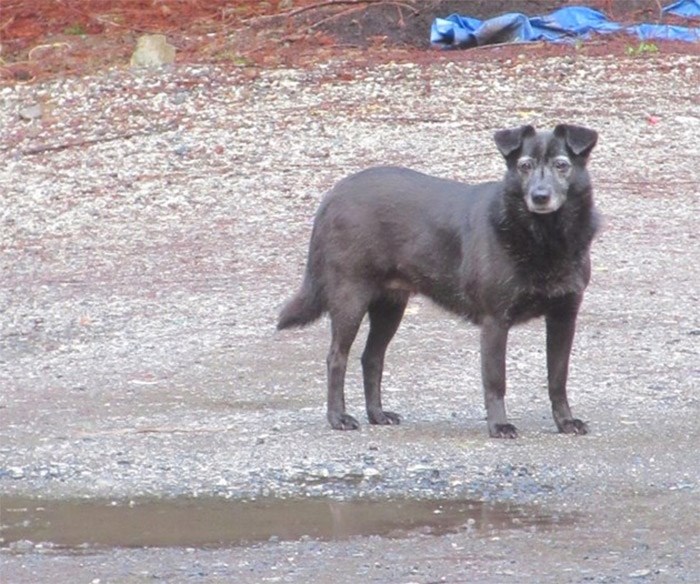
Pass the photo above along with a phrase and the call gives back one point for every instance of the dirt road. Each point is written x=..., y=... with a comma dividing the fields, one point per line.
x=153, y=223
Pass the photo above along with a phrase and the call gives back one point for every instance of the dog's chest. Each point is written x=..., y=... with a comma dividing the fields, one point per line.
x=536, y=293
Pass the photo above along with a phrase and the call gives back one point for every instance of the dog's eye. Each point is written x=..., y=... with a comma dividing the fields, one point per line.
x=562, y=165
x=525, y=165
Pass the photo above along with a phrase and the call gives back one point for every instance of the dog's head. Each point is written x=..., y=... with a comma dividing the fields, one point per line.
x=548, y=166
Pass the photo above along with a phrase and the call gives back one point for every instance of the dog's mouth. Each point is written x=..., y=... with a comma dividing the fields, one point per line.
x=542, y=205
x=541, y=209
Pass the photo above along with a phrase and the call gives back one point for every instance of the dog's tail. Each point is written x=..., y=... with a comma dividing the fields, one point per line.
x=303, y=308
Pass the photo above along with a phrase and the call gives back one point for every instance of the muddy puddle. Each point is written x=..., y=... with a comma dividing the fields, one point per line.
x=215, y=522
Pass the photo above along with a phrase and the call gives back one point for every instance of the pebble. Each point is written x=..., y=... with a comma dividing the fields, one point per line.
x=181, y=150
x=152, y=50
x=419, y=468
x=180, y=97
x=31, y=112
x=15, y=472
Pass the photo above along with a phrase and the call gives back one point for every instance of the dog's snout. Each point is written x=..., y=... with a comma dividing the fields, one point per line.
x=540, y=196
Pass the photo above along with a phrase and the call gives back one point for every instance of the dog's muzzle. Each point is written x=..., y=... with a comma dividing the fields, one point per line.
x=542, y=200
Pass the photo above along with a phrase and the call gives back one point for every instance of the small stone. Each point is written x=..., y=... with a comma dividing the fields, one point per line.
x=15, y=472
x=640, y=573
x=370, y=472
x=152, y=50
x=31, y=112
x=418, y=468
x=179, y=98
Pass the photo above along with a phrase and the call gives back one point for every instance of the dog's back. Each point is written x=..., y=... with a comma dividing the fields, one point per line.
x=393, y=230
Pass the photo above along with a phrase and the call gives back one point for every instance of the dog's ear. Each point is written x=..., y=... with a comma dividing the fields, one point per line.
x=580, y=140
x=508, y=141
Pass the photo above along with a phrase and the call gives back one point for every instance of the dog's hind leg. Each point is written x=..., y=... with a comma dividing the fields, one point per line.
x=560, y=336
x=346, y=315
x=494, y=337
x=384, y=317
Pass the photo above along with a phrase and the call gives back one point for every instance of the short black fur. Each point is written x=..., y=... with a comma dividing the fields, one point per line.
x=495, y=253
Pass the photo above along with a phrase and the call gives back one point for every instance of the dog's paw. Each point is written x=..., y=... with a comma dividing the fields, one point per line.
x=343, y=422
x=384, y=418
x=573, y=426
x=503, y=431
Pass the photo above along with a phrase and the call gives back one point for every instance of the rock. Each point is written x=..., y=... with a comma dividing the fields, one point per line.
x=15, y=472
x=182, y=150
x=370, y=473
x=31, y=112
x=179, y=98
x=152, y=50
x=418, y=468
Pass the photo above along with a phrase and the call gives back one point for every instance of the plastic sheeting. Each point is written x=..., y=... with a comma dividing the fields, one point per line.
x=565, y=24
x=686, y=8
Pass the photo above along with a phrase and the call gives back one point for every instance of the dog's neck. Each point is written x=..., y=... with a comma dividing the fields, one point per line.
x=551, y=246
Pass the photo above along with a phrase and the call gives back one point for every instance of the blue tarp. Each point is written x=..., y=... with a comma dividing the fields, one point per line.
x=562, y=25
x=687, y=8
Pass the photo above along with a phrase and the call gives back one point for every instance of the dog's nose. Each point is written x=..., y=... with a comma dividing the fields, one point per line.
x=540, y=196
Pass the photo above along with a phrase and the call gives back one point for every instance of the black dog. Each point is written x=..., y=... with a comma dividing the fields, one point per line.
x=497, y=253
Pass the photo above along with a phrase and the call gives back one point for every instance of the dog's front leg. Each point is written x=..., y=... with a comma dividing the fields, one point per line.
x=494, y=337
x=561, y=325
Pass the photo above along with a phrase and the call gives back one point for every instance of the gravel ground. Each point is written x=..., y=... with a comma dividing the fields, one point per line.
x=154, y=222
